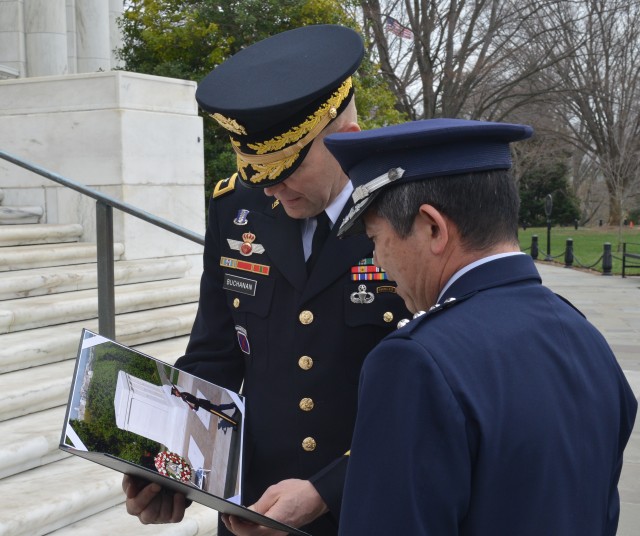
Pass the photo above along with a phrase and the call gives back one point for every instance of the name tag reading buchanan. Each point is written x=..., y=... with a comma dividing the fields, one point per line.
x=240, y=284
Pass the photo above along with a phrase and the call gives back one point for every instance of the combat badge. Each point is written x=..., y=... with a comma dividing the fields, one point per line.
x=362, y=296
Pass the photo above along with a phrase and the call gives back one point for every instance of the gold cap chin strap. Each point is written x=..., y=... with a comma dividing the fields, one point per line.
x=291, y=142
x=287, y=152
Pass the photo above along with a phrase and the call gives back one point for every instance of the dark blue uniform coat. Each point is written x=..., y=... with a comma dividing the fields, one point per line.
x=263, y=328
x=503, y=413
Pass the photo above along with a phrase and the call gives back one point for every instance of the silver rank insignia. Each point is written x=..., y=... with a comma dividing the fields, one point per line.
x=247, y=246
x=362, y=296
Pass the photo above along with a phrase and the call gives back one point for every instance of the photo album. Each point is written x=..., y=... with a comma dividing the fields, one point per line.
x=142, y=417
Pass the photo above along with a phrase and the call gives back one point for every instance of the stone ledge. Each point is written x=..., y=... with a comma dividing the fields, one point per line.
x=20, y=215
x=96, y=91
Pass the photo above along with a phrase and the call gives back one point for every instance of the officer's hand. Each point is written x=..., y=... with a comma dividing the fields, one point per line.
x=152, y=503
x=294, y=502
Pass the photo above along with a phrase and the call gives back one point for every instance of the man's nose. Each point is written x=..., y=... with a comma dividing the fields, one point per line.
x=273, y=190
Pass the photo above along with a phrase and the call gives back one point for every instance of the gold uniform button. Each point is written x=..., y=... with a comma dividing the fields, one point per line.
x=306, y=404
x=388, y=316
x=236, y=303
x=306, y=317
x=305, y=362
x=309, y=444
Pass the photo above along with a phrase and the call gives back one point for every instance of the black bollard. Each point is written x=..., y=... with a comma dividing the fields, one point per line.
x=568, y=254
x=534, y=247
x=607, y=260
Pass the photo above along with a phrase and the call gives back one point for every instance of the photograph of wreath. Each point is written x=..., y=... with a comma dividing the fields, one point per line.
x=144, y=411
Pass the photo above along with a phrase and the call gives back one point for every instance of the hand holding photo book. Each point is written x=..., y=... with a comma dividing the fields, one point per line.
x=144, y=418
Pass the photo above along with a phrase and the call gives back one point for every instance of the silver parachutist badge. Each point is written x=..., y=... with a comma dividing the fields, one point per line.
x=362, y=296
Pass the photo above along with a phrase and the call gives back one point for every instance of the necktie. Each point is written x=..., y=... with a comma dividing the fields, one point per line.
x=323, y=228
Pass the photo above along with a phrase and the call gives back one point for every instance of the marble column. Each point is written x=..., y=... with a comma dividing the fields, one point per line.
x=115, y=37
x=72, y=40
x=46, y=37
x=12, y=54
x=93, y=36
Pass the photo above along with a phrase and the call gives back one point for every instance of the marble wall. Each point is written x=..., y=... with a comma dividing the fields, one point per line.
x=135, y=137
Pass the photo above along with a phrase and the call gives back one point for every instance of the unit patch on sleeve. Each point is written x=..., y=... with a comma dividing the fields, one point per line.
x=243, y=340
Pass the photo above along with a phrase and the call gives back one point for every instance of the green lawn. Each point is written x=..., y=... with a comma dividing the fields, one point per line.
x=588, y=244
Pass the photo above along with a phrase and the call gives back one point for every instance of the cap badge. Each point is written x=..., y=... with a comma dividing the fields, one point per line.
x=241, y=218
x=362, y=296
x=230, y=124
x=364, y=190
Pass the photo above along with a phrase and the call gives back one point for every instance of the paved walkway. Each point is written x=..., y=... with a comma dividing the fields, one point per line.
x=612, y=304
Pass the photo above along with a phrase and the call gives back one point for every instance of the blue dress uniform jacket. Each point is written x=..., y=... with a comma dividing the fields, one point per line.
x=297, y=342
x=501, y=413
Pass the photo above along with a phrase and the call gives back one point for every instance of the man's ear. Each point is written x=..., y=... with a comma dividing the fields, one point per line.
x=351, y=126
x=436, y=226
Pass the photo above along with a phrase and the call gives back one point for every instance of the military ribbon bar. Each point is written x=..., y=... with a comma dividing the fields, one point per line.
x=380, y=276
x=252, y=267
x=366, y=269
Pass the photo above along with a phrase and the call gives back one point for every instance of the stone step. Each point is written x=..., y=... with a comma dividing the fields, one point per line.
x=40, y=281
x=56, y=496
x=31, y=348
x=40, y=311
x=20, y=215
x=45, y=233
x=32, y=440
x=45, y=255
x=198, y=521
x=70, y=489
x=29, y=391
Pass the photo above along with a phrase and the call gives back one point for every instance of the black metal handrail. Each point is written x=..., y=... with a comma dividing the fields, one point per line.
x=104, y=237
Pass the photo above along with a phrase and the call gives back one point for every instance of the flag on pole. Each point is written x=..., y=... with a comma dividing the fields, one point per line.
x=398, y=29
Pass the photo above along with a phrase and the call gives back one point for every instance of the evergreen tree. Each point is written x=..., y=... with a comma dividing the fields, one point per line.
x=539, y=181
x=186, y=39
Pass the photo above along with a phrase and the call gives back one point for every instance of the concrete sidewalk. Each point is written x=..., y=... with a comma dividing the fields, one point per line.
x=612, y=304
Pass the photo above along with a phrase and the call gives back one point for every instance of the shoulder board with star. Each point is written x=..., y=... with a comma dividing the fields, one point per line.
x=225, y=186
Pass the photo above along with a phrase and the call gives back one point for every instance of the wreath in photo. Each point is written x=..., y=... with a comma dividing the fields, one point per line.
x=174, y=466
